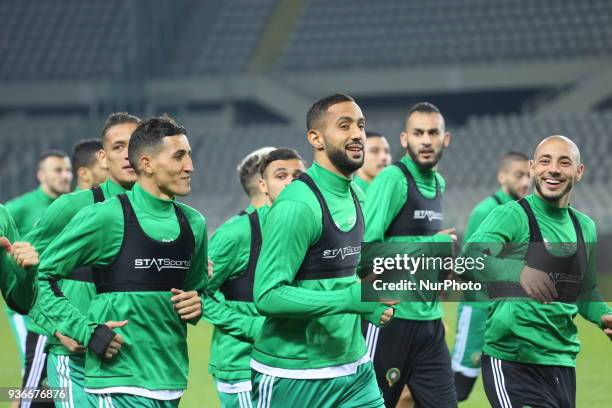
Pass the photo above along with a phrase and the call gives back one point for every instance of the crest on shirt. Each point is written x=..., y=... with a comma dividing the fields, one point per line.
x=392, y=376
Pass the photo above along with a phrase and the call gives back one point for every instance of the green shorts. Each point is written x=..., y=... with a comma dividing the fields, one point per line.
x=68, y=372
x=234, y=394
x=469, y=338
x=128, y=401
x=350, y=391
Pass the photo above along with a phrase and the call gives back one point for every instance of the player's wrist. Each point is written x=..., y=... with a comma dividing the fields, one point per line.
x=100, y=340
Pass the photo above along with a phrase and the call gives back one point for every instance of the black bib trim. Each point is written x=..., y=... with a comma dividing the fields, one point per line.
x=419, y=215
x=566, y=272
x=241, y=288
x=336, y=253
x=144, y=264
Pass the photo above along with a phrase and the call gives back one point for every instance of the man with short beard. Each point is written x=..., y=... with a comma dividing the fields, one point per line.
x=377, y=157
x=411, y=350
x=540, y=270
x=513, y=178
x=311, y=351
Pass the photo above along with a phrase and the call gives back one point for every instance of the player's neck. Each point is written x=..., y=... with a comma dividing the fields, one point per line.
x=48, y=192
x=259, y=201
x=364, y=176
x=323, y=161
x=562, y=202
x=149, y=186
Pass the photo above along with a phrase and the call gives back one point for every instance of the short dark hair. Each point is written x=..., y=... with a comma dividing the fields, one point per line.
x=52, y=153
x=84, y=153
x=282, y=153
x=319, y=108
x=372, y=133
x=510, y=157
x=149, y=134
x=249, y=167
x=424, y=107
x=118, y=118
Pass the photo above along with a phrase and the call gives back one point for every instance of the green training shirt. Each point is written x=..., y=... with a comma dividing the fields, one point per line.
x=154, y=354
x=310, y=324
x=27, y=209
x=477, y=216
x=51, y=223
x=16, y=284
x=524, y=330
x=361, y=183
x=230, y=250
x=385, y=198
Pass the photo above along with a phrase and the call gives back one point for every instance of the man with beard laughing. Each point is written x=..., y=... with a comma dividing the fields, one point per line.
x=542, y=279
x=404, y=204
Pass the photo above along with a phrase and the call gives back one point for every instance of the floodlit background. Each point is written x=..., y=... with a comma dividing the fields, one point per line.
x=241, y=74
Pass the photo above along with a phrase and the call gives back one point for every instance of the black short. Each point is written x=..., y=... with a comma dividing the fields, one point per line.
x=36, y=368
x=414, y=353
x=509, y=384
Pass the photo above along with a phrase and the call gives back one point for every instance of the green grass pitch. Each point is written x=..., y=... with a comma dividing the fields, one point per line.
x=592, y=371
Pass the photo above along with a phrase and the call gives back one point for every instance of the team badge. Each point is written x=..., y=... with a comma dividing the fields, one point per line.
x=393, y=374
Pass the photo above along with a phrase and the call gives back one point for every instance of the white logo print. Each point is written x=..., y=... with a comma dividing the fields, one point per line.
x=160, y=263
x=343, y=252
x=429, y=214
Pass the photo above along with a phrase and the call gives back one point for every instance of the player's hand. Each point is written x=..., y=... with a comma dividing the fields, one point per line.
x=538, y=285
x=72, y=345
x=117, y=341
x=187, y=304
x=387, y=316
x=606, y=320
x=211, y=269
x=23, y=253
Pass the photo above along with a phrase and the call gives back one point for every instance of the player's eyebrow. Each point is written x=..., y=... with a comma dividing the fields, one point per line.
x=360, y=119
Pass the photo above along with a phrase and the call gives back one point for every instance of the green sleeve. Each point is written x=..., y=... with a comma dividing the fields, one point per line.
x=223, y=316
x=16, y=284
x=197, y=278
x=50, y=224
x=56, y=217
x=502, y=227
x=77, y=244
x=590, y=303
x=384, y=200
x=477, y=216
x=289, y=230
x=227, y=246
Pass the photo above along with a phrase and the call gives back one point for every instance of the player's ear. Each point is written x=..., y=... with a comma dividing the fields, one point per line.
x=315, y=138
x=263, y=187
x=531, y=168
x=580, y=172
x=447, y=139
x=404, y=140
x=103, y=159
x=145, y=164
x=83, y=173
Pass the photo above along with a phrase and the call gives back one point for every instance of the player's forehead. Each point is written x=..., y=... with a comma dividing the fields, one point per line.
x=176, y=142
x=377, y=141
x=55, y=162
x=518, y=165
x=288, y=165
x=344, y=110
x=555, y=148
x=425, y=121
x=120, y=133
